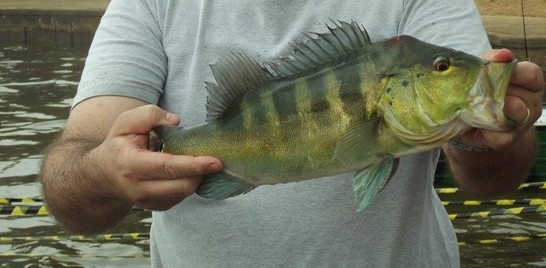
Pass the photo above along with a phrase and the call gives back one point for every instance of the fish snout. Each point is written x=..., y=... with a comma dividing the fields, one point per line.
x=486, y=98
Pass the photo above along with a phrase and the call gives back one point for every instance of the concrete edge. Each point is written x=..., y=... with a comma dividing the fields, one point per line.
x=517, y=41
x=52, y=12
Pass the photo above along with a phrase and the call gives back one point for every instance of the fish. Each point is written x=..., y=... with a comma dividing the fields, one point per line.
x=337, y=103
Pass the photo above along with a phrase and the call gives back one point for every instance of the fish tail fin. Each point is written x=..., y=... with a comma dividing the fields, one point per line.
x=221, y=185
x=164, y=132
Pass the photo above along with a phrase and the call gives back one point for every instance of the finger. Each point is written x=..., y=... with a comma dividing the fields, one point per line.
x=162, y=166
x=142, y=120
x=529, y=76
x=521, y=104
x=497, y=55
x=516, y=110
x=162, y=195
x=496, y=139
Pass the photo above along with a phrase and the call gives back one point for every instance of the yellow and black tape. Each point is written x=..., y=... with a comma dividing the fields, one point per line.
x=101, y=237
x=22, y=210
x=502, y=202
x=447, y=190
x=506, y=239
x=537, y=185
x=10, y=200
x=9, y=210
x=497, y=212
x=59, y=255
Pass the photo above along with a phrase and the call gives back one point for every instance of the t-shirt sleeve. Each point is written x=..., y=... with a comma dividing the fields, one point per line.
x=454, y=24
x=126, y=57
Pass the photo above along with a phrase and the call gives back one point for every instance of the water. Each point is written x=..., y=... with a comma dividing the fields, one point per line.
x=37, y=85
x=36, y=89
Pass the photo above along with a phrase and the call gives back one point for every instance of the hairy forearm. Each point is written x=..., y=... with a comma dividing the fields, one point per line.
x=495, y=173
x=74, y=192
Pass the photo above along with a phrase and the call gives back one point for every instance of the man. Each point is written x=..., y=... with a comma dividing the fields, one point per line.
x=158, y=52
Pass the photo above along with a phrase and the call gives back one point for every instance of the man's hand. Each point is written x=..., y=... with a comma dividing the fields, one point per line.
x=151, y=180
x=523, y=103
x=101, y=163
x=501, y=170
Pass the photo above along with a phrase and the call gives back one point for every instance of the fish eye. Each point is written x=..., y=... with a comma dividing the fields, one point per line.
x=441, y=64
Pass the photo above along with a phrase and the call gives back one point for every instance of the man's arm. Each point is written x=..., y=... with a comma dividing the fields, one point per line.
x=506, y=166
x=100, y=166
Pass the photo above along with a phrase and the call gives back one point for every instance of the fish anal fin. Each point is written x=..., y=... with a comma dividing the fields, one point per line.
x=221, y=185
x=369, y=182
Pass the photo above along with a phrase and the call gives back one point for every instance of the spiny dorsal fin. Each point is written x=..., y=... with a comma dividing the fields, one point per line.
x=236, y=74
x=345, y=40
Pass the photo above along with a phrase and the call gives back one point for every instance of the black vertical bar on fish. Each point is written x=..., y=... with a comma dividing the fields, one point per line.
x=285, y=103
x=350, y=93
x=321, y=100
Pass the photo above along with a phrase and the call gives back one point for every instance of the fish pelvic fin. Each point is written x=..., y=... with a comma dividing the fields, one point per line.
x=220, y=186
x=317, y=50
x=237, y=75
x=369, y=182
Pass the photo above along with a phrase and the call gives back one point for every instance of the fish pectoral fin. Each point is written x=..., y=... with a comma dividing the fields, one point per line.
x=369, y=182
x=220, y=186
x=357, y=143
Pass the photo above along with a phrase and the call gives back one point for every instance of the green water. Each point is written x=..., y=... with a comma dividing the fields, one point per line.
x=36, y=89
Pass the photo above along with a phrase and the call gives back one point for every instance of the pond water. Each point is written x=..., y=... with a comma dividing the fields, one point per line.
x=36, y=89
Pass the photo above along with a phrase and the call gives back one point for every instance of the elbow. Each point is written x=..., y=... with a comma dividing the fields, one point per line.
x=84, y=222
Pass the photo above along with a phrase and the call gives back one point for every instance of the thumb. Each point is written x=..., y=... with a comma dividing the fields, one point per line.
x=497, y=55
x=142, y=120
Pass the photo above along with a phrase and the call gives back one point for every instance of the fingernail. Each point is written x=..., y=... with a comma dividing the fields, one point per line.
x=170, y=117
x=214, y=167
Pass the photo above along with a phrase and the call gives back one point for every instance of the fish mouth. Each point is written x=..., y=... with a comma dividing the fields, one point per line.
x=486, y=97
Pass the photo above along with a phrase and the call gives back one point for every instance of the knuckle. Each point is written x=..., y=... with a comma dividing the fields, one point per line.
x=188, y=190
x=141, y=198
x=532, y=73
x=152, y=111
x=169, y=170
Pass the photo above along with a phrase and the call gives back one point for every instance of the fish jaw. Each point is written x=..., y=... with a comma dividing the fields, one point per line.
x=486, y=98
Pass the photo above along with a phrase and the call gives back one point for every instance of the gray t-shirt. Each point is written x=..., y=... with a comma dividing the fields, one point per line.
x=159, y=51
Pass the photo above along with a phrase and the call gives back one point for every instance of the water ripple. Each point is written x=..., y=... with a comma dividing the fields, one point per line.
x=48, y=82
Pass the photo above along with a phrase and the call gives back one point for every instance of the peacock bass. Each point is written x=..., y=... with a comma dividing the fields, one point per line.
x=338, y=103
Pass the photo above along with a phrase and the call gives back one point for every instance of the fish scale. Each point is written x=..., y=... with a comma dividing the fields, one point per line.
x=335, y=104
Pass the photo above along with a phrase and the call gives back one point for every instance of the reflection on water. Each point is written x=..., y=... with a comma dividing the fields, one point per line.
x=36, y=89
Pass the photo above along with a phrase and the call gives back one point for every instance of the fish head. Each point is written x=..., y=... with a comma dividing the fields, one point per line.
x=432, y=93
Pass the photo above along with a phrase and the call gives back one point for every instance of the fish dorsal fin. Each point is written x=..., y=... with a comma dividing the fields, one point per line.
x=344, y=40
x=236, y=74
